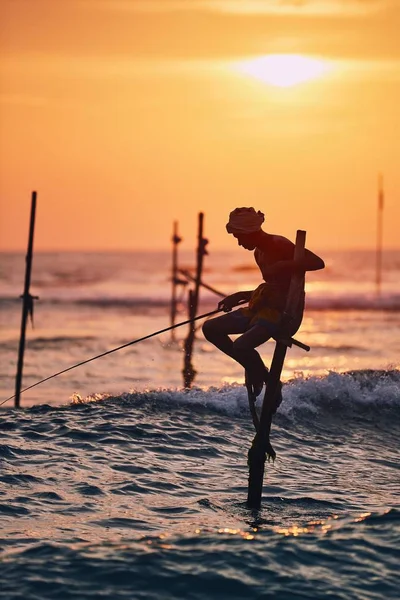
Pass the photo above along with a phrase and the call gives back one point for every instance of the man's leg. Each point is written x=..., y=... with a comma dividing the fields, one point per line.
x=256, y=372
x=217, y=330
x=245, y=353
x=242, y=350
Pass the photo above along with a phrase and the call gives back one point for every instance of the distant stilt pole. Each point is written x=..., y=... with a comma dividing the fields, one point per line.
x=379, y=235
x=188, y=370
x=175, y=241
x=261, y=446
x=27, y=306
x=201, y=252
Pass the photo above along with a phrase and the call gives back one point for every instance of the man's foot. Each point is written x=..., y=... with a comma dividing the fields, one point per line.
x=255, y=384
x=255, y=387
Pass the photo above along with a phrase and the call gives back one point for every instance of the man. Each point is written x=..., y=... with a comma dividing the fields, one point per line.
x=261, y=319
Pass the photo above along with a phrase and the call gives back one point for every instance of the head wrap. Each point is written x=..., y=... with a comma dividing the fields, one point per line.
x=244, y=220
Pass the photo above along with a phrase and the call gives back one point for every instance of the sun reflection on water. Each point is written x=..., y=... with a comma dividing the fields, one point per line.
x=322, y=525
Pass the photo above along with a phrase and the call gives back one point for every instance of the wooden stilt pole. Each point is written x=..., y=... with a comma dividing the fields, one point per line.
x=27, y=305
x=379, y=227
x=261, y=446
x=188, y=370
x=175, y=281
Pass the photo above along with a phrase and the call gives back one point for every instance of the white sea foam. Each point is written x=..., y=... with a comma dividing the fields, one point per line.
x=337, y=393
x=357, y=390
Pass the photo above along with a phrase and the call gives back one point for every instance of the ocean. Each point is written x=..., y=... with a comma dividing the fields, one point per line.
x=116, y=482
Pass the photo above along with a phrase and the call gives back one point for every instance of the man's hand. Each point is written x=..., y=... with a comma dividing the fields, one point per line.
x=233, y=300
x=227, y=303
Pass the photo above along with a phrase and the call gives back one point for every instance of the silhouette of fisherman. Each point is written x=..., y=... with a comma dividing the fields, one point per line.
x=261, y=319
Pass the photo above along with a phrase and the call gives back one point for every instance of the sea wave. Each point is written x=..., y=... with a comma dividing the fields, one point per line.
x=370, y=394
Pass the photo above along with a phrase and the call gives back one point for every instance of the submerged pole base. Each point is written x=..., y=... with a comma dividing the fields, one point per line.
x=260, y=451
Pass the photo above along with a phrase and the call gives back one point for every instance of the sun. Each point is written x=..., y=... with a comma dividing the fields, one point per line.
x=284, y=70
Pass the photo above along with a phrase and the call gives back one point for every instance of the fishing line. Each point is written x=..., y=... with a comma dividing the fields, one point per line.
x=146, y=337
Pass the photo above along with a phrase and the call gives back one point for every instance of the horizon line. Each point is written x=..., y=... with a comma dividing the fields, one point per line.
x=168, y=248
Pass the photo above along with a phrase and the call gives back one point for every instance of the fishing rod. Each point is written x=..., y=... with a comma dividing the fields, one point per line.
x=146, y=337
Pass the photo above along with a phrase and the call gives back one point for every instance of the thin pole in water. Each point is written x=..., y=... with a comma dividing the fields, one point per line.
x=175, y=241
x=379, y=235
x=27, y=306
x=188, y=370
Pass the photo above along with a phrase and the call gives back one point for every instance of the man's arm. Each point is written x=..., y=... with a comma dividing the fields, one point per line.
x=283, y=250
x=310, y=262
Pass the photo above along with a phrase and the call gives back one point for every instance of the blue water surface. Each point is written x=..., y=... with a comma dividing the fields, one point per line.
x=144, y=495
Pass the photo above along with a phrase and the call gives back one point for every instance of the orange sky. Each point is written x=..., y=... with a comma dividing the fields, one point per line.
x=125, y=115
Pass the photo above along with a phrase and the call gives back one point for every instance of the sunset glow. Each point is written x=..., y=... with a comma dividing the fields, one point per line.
x=125, y=115
x=284, y=70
